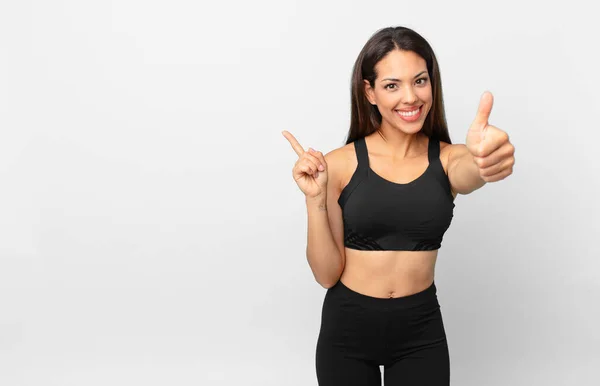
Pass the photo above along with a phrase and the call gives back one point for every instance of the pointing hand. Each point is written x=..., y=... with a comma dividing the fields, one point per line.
x=310, y=170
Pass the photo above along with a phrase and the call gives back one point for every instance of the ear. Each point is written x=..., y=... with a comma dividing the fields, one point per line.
x=369, y=92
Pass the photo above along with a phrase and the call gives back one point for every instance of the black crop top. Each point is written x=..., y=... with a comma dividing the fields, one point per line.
x=379, y=214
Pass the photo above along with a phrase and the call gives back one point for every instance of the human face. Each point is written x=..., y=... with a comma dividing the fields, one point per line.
x=402, y=84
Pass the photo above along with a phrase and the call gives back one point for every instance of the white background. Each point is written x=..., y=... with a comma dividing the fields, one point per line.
x=150, y=229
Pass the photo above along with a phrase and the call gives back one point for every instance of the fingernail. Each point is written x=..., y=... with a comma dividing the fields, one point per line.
x=321, y=167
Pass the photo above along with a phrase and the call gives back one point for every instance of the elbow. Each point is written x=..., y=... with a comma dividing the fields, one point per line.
x=331, y=280
x=468, y=188
x=472, y=188
x=326, y=280
x=463, y=191
x=328, y=274
x=328, y=284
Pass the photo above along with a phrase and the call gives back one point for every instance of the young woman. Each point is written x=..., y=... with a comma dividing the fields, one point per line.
x=378, y=208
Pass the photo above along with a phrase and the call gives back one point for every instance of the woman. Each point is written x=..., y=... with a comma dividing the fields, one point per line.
x=378, y=208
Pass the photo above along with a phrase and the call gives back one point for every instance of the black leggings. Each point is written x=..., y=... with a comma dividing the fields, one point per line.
x=359, y=333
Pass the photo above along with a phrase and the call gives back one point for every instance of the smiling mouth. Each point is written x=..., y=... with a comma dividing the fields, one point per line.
x=408, y=111
x=410, y=116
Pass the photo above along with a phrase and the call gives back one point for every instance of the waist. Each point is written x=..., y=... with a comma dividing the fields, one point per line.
x=386, y=274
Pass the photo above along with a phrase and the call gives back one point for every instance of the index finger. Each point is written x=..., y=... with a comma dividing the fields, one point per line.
x=295, y=145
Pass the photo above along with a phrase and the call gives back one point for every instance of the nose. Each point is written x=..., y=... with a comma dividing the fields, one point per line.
x=409, y=96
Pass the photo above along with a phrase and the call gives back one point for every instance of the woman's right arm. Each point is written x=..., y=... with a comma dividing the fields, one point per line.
x=325, y=245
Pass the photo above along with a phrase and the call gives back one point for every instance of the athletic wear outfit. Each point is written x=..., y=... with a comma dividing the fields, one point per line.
x=406, y=334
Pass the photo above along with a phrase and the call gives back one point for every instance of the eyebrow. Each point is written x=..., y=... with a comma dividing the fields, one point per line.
x=398, y=80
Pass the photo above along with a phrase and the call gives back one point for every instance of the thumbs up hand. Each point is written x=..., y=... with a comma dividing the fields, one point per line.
x=491, y=149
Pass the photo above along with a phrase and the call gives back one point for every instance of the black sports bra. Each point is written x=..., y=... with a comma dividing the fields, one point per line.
x=380, y=214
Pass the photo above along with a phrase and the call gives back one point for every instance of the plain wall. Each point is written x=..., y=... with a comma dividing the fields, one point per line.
x=150, y=229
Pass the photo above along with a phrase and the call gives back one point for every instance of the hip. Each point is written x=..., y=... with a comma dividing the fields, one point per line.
x=381, y=327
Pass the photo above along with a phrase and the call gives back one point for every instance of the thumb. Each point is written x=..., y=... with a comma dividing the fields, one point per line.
x=483, y=112
x=477, y=131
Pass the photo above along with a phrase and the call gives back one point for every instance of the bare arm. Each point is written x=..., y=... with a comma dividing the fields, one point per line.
x=463, y=172
x=325, y=248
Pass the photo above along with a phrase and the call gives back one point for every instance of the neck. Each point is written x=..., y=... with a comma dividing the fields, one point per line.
x=398, y=144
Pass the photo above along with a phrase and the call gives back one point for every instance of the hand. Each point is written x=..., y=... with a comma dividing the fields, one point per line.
x=310, y=171
x=491, y=149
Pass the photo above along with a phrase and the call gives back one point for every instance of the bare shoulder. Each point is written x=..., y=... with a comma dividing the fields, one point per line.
x=342, y=154
x=341, y=163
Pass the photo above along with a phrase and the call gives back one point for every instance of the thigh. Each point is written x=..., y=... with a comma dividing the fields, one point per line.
x=418, y=346
x=428, y=366
x=349, y=347
x=334, y=368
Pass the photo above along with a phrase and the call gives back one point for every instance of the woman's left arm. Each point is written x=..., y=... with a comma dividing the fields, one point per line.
x=487, y=156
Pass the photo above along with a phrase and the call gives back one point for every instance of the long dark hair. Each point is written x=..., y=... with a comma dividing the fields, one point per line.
x=366, y=118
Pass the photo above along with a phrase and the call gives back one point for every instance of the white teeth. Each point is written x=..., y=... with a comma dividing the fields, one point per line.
x=412, y=113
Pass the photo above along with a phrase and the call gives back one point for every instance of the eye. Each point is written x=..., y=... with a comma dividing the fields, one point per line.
x=423, y=81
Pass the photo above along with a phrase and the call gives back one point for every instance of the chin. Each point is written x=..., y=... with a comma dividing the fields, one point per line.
x=410, y=130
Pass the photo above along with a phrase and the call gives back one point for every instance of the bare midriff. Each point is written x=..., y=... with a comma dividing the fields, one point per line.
x=388, y=274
